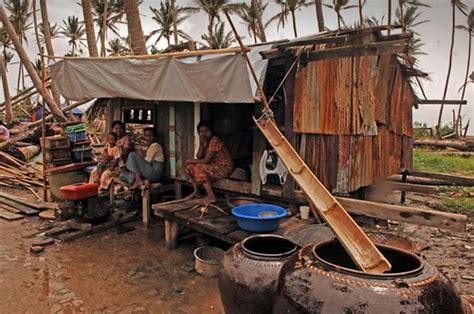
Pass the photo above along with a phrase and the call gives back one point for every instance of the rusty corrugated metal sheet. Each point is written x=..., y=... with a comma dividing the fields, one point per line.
x=347, y=162
x=349, y=96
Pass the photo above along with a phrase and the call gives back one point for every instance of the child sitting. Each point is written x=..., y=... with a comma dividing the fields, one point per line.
x=110, y=160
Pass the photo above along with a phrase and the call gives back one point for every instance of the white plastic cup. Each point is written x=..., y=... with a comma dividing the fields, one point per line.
x=304, y=212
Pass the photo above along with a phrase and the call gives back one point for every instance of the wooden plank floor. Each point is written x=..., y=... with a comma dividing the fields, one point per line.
x=225, y=227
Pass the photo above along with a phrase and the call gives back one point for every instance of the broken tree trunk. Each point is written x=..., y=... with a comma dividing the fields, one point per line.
x=55, y=109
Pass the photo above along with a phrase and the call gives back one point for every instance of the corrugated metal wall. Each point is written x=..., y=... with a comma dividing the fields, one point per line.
x=356, y=117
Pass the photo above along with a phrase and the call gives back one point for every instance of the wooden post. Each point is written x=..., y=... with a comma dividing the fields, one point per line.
x=171, y=234
x=403, y=193
x=146, y=207
x=43, y=124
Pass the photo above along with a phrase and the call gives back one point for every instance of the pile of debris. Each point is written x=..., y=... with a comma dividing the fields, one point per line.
x=15, y=172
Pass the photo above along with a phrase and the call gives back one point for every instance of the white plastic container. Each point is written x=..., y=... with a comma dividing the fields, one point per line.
x=304, y=212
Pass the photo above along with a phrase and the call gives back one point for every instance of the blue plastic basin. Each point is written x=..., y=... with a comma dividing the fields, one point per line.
x=248, y=217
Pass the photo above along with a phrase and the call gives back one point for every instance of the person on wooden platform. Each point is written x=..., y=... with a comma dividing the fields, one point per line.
x=213, y=162
x=110, y=160
x=123, y=144
x=149, y=168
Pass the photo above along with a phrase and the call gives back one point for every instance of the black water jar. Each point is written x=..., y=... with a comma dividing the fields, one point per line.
x=321, y=278
x=249, y=272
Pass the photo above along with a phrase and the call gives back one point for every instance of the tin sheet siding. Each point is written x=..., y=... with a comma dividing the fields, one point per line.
x=347, y=162
x=350, y=96
x=356, y=117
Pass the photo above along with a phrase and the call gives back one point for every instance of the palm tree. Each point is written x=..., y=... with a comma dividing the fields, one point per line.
x=165, y=17
x=20, y=14
x=74, y=32
x=46, y=30
x=258, y=11
x=6, y=91
x=407, y=5
x=220, y=39
x=117, y=48
x=107, y=14
x=459, y=5
x=470, y=29
x=288, y=7
x=361, y=17
x=214, y=8
x=55, y=109
x=54, y=31
x=338, y=6
x=318, y=4
x=5, y=57
x=250, y=18
x=134, y=25
x=89, y=24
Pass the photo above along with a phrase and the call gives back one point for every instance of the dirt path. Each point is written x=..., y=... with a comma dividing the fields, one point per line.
x=109, y=272
x=133, y=272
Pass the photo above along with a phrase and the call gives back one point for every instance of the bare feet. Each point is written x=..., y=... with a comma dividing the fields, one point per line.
x=136, y=184
x=209, y=200
x=193, y=195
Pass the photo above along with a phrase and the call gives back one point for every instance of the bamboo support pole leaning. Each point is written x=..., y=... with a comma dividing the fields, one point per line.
x=181, y=54
x=43, y=123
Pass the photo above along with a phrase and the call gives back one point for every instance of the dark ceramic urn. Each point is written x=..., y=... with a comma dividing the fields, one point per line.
x=249, y=271
x=321, y=278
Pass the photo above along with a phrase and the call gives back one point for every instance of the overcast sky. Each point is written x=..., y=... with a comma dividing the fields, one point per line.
x=435, y=34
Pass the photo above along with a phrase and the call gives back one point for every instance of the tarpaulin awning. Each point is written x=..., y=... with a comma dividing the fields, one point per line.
x=213, y=78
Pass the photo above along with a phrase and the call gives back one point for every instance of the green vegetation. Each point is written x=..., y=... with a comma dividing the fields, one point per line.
x=458, y=200
x=453, y=199
x=434, y=161
x=422, y=130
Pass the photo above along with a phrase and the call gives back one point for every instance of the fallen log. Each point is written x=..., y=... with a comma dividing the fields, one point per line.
x=453, y=179
x=431, y=218
x=400, y=186
x=418, y=180
x=461, y=145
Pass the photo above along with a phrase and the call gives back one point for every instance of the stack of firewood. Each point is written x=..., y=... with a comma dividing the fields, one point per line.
x=14, y=172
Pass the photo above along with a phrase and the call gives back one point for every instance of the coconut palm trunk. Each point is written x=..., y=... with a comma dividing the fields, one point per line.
x=319, y=14
x=134, y=25
x=35, y=26
x=49, y=45
x=450, y=63
x=293, y=17
x=175, y=24
x=103, y=34
x=261, y=29
x=389, y=18
x=6, y=92
x=90, y=32
x=458, y=127
x=361, y=18
x=55, y=110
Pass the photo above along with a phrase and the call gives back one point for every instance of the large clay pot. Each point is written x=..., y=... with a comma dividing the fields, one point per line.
x=248, y=275
x=322, y=278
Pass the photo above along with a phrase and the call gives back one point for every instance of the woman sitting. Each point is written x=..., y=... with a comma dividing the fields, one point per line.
x=149, y=168
x=212, y=162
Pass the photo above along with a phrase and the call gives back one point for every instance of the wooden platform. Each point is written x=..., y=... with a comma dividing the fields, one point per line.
x=224, y=227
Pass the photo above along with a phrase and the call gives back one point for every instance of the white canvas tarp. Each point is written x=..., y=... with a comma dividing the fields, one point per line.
x=218, y=79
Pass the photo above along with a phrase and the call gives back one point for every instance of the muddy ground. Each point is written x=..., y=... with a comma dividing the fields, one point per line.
x=134, y=272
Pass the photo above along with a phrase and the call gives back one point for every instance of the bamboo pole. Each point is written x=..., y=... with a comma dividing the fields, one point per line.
x=244, y=50
x=43, y=123
x=180, y=54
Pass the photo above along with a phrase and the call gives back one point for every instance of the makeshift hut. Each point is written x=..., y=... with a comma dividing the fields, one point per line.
x=343, y=100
